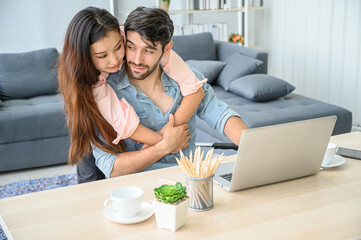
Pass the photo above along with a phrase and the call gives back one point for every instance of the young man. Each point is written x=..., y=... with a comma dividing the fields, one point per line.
x=155, y=96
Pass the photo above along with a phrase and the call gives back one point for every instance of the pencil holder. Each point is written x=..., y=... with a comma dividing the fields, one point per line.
x=200, y=192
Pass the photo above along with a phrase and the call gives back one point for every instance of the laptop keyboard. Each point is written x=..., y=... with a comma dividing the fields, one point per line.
x=227, y=176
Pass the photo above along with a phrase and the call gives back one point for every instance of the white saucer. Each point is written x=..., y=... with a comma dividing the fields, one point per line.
x=336, y=161
x=146, y=211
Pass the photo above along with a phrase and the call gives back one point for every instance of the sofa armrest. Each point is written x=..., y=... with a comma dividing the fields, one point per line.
x=225, y=49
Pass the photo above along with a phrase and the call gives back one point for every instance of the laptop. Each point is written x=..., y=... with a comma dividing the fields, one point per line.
x=277, y=153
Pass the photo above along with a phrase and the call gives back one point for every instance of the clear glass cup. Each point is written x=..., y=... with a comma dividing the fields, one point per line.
x=200, y=192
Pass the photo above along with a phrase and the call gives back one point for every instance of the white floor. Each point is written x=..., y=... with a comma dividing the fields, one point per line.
x=14, y=176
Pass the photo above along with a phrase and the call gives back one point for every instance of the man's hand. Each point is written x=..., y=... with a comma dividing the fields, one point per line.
x=174, y=138
x=161, y=132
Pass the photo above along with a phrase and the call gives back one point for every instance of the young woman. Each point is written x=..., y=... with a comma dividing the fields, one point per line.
x=91, y=105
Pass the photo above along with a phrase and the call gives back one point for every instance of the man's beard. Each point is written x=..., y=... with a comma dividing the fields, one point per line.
x=139, y=76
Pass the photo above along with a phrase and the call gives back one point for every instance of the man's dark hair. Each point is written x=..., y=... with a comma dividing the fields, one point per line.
x=153, y=24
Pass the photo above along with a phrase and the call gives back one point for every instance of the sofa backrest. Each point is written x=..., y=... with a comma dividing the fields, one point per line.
x=25, y=75
x=196, y=47
x=202, y=47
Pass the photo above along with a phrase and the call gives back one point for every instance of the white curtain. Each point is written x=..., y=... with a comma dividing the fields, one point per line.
x=316, y=46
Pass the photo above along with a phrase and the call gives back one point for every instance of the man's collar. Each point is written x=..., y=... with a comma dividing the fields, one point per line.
x=123, y=81
x=120, y=78
x=166, y=80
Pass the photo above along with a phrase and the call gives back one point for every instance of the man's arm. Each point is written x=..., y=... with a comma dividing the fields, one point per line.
x=233, y=129
x=218, y=115
x=174, y=139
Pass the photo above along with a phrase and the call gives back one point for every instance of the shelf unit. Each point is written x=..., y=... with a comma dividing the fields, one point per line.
x=242, y=10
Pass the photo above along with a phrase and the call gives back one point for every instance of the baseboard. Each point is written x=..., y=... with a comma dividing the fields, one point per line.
x=356, y=129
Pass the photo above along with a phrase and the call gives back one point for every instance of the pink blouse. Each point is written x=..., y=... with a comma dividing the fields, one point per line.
x=121, y=115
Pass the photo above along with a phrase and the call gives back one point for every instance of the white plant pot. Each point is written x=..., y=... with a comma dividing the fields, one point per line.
x=171, y=217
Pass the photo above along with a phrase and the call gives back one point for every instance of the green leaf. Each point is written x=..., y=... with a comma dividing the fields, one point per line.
x=170, y=193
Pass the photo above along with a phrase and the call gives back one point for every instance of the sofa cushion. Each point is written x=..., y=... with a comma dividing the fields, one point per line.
x=24, y=75
x=210, y=69
x=237, y=66
x=260, y=87
x=226, y=49
x=197, y=46
x=35, y=153
x=32, y=119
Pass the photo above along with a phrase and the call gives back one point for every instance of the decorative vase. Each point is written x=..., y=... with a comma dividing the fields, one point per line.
x=169, y=216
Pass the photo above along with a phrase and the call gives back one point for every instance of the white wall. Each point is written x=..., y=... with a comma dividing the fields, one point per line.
x=123, y=8
x=29, y=25
x=316, y=46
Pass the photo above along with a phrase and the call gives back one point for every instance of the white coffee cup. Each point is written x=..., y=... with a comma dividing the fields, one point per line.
x=329, y=154
x=125, y=201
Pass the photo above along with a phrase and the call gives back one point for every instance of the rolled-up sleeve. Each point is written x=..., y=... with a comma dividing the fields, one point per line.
x=221, y=123
x=212, y=110
x=104, y=161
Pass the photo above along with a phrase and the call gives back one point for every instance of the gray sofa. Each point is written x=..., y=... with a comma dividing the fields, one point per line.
x=33, y=132
x=239, y=77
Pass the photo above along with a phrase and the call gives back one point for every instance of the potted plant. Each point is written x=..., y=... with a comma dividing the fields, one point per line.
x=164, y=4
x=171, y=206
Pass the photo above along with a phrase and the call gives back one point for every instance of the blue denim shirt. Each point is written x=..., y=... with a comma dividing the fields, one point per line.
x=211, y=110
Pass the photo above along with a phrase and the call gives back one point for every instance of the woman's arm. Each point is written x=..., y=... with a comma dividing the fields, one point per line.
x=121, y=116
x=145, y=135
x=190, y=86
x=188, y=107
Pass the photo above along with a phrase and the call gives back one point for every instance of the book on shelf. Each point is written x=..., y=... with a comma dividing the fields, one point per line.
x=211, y=4
x=219, y=31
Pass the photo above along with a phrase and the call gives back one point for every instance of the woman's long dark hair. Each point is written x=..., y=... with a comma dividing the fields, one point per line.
x=77, y=76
